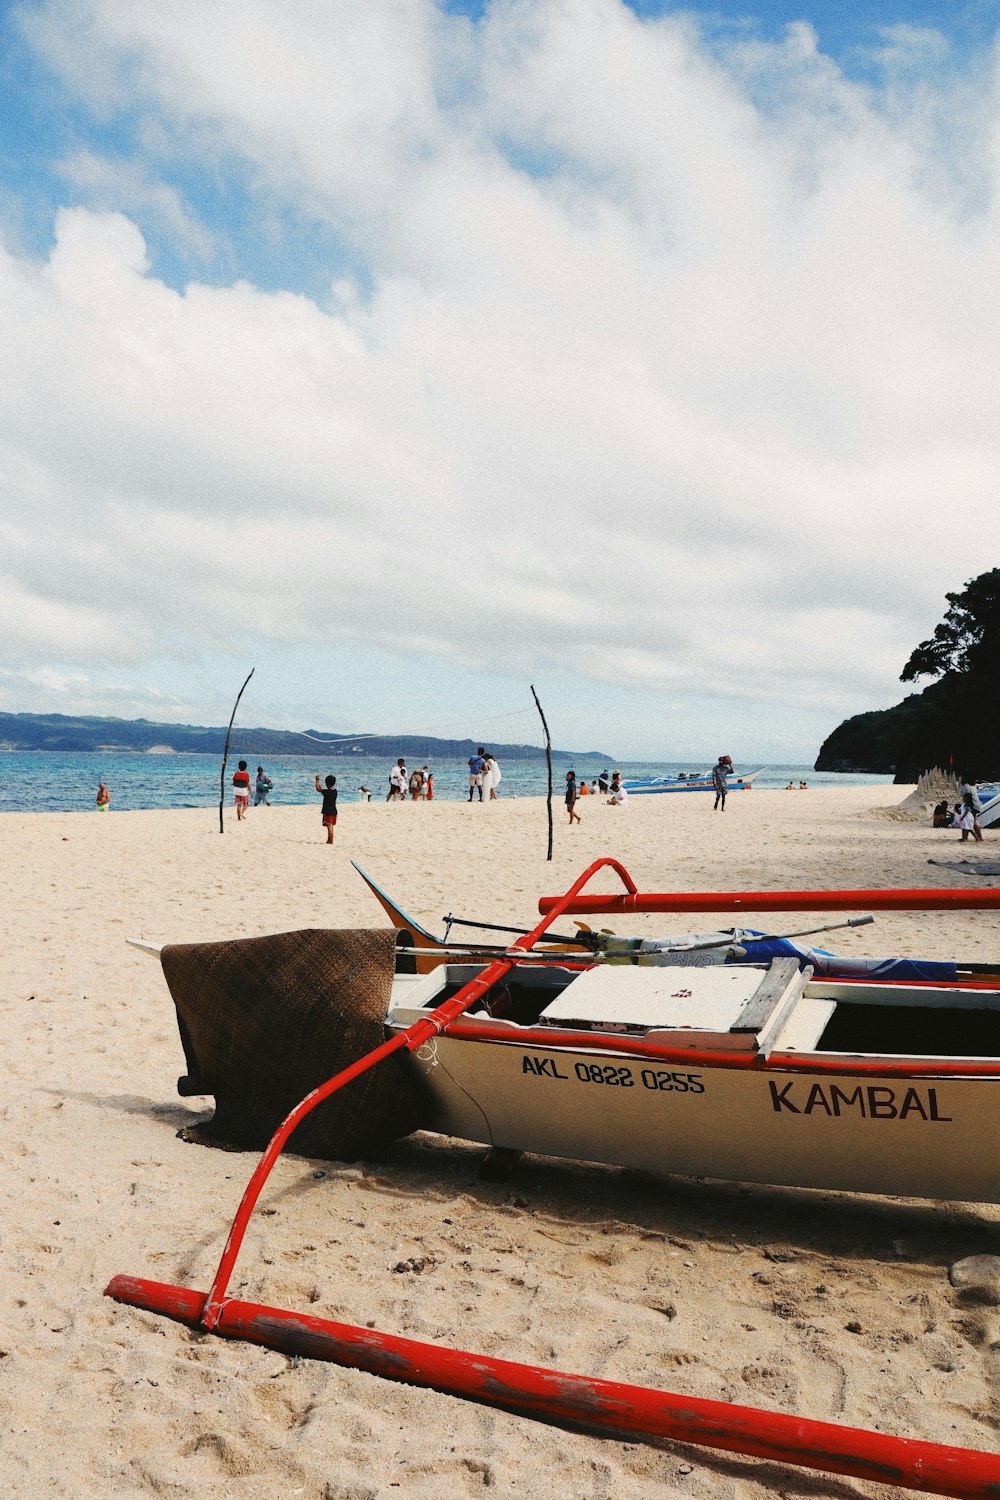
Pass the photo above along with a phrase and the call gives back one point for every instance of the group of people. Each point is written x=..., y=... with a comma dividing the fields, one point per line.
x=964, y=815
x=802, y=786
x=419, y=784
x=617, y=794
x=241, y=789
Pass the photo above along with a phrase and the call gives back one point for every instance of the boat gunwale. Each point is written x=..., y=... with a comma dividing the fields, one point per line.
x=553, y=1039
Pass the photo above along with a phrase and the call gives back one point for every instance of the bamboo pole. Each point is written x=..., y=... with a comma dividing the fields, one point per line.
x=548, y=762
x=225, y=753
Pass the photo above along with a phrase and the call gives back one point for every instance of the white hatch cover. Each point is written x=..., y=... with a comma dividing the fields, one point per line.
x=616, y=998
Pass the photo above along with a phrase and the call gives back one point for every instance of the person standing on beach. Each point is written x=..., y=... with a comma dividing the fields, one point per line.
x=428, y=784
x=720, y=771
x=329, y=795
x=262, y=788
x=491, y=775
x=574, y=816
x=416, y=785
x=476, y=767
x=397, y=781
x=602, y=782
x=103, y=798
x=241, y=791
x=967, y=819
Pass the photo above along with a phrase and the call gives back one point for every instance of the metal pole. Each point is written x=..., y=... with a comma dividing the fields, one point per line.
x=225, y=753
x=548, y=761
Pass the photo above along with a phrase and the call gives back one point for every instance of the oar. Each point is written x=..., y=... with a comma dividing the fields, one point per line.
x=731, y=939
x=765, y=937
x=553, y=957
x=550, y=937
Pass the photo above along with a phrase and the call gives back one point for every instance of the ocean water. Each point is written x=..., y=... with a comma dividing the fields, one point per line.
x=48, y=781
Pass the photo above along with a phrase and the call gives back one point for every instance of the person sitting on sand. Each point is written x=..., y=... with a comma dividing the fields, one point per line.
x=103, y=798
x=571, y=795
x=584, y=788
x=941, y=816
x=329, y=795
x=241, y=791
x=618, y=796
x=364, y=794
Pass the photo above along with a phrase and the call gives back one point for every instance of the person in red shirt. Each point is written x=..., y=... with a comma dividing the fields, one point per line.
x=241, y=790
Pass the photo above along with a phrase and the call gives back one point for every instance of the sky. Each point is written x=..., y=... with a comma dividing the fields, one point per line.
x=412, y=352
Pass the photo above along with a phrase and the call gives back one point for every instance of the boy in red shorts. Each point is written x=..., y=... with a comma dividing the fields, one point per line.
x=329, y=795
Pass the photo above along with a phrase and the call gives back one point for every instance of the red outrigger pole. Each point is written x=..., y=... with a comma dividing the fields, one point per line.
x=926, y=899
x=552, y=1395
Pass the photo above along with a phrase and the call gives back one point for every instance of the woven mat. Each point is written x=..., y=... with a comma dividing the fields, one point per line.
x=263, y=1021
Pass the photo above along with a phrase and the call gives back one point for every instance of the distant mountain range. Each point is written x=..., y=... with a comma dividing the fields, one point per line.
x=68, y=733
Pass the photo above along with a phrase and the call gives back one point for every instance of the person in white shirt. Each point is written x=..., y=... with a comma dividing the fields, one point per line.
x=618, y=796
x=397, y=781
x=491, y=775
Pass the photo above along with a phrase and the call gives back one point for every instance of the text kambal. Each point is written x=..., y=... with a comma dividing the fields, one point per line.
x=868, y=1101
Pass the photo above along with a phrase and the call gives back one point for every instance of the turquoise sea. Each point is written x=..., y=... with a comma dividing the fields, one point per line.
x=48, y=781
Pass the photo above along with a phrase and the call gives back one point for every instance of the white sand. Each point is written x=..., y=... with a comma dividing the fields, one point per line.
x=716, y=1290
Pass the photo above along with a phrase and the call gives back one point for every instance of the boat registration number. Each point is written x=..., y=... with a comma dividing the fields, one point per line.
x=612, y=1075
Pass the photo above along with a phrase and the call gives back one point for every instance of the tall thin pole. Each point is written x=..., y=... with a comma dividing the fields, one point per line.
x=548, y=761
x=225, y=753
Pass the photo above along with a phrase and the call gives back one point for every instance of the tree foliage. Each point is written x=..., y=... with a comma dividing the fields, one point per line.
x=968, y=638
x=955, y=721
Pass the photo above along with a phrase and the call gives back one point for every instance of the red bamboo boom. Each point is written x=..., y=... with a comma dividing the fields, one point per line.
x=413, y=1037
x=932, y=899
x=553, y=1395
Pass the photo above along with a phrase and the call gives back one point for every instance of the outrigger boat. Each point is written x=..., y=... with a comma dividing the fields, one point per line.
x=748, y=1072
x=693, y=783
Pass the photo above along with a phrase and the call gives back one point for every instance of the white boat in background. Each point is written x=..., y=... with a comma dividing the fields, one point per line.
x=989, y=806
x=693, y=783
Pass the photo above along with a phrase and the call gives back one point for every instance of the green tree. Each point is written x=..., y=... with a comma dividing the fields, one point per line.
x=960, y=713
x=968, y=638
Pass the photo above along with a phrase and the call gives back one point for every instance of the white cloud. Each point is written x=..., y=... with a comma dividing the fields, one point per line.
x=107, y=183
x=702, y=402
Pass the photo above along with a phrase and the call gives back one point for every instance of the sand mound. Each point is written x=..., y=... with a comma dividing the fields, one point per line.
x=919, y=805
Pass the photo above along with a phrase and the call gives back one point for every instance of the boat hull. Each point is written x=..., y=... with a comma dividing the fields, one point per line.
x=891, y=1133
x=695, y=784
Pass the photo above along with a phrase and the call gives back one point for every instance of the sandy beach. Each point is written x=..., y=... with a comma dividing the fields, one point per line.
x=828, y=1305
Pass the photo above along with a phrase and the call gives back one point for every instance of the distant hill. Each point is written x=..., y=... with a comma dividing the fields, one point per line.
x=68, y=733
